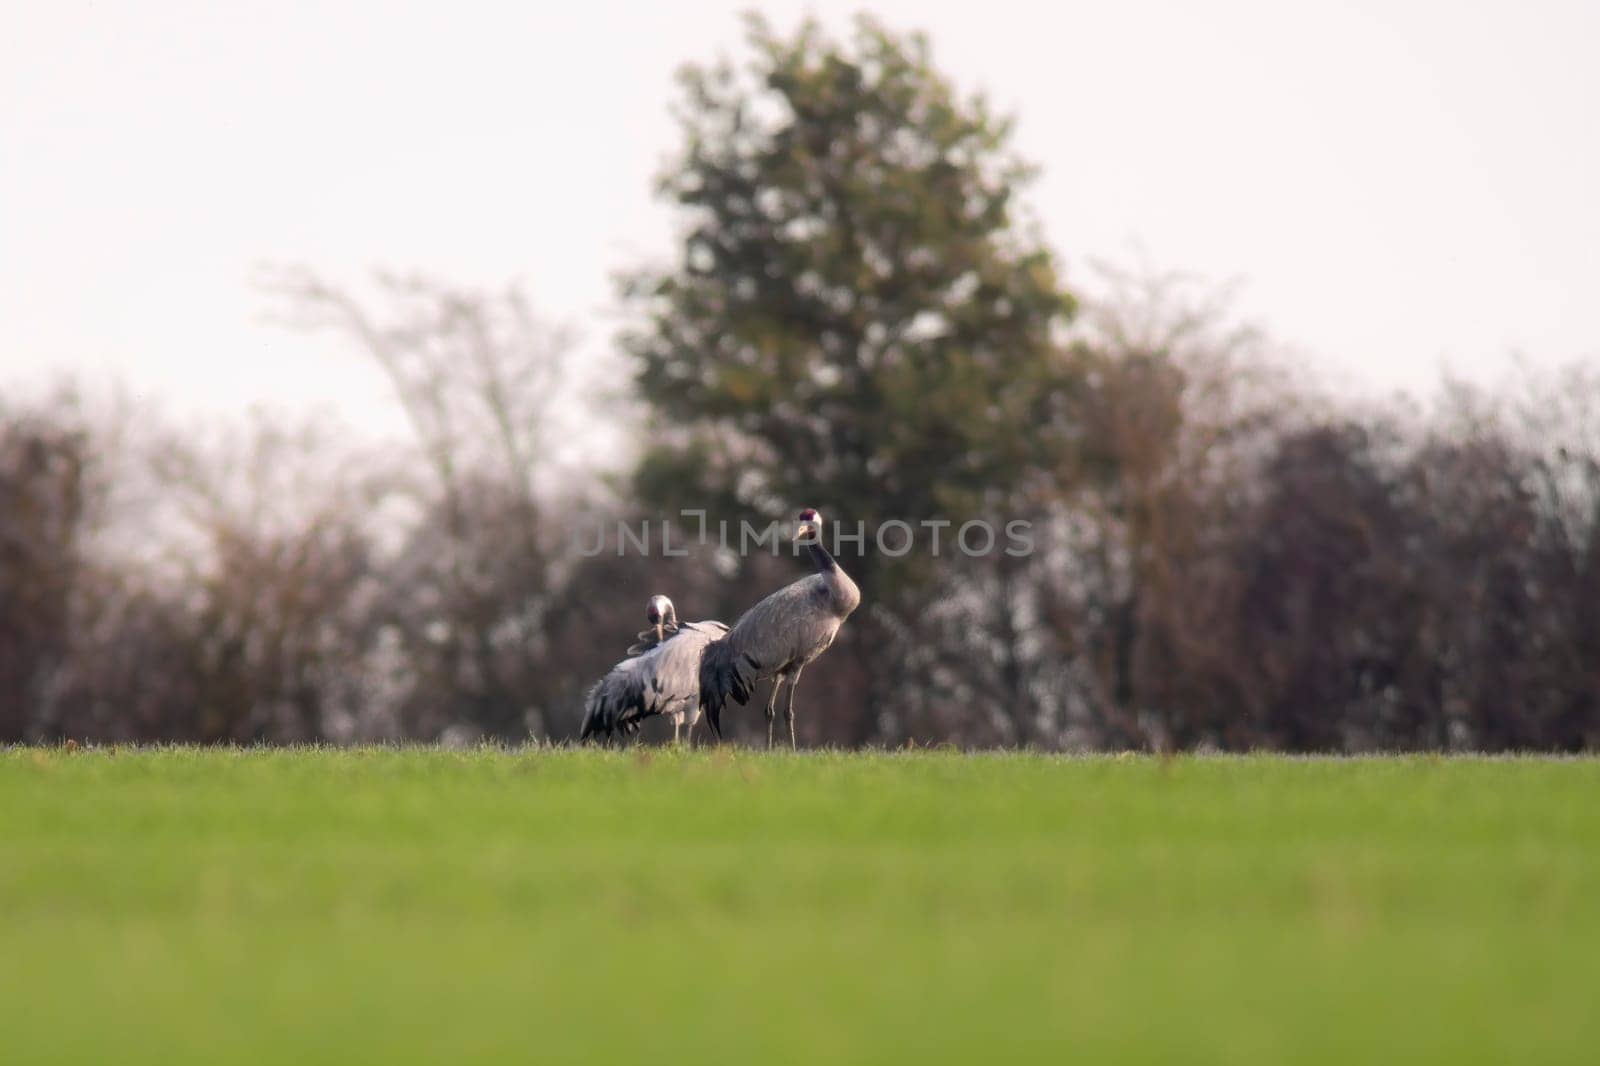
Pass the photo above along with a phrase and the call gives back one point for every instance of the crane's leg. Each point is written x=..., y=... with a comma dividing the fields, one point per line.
x=788, y=709
x=772, y=708
x=677, y=723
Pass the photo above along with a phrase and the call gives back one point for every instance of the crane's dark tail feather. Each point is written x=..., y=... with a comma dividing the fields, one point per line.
x=592, y=728
x=612, y=706
x=722, y=677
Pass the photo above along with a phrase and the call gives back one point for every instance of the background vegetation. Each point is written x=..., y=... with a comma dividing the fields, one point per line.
x=863, y=320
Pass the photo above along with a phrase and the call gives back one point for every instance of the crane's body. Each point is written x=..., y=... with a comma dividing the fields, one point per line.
x=779, y=636
x=660, y=676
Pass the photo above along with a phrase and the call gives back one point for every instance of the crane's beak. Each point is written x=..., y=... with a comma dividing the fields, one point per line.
x=658, y=632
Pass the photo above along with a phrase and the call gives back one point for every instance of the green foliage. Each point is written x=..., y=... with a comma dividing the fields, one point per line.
x=577, y=906
x=858, y=319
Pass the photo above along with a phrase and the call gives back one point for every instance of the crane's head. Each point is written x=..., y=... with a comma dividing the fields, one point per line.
x=661, y=613
x=809, y=531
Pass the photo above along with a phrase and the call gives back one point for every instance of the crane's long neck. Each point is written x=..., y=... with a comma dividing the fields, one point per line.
x=819, y=555
x=843, y=594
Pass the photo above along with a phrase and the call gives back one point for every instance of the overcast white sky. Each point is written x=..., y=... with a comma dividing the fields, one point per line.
x=1398, y=186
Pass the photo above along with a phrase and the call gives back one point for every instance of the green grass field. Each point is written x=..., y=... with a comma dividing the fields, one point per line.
x=728, y=906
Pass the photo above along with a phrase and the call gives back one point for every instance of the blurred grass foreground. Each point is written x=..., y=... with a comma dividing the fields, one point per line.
x=513, y=904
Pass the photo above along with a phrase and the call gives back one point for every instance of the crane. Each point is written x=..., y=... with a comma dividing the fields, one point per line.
x=660, y=676
x=779, y=636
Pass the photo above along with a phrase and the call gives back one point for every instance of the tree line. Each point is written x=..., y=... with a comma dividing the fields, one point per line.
x=862, y=318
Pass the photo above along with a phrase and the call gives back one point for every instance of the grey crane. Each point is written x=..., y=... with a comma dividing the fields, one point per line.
x=779, y=636
x=660, y=676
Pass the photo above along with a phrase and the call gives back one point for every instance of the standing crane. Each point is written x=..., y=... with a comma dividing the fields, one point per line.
x=660, y=676
x=779, y=636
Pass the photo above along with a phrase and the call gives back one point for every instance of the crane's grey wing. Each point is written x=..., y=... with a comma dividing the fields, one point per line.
x=761, y=643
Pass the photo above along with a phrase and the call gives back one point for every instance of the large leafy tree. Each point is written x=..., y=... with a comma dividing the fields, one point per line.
x=859, y=319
